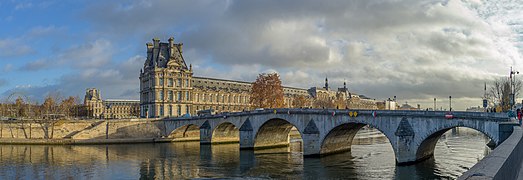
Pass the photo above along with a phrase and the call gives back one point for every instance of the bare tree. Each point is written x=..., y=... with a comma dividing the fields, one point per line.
x=267, y=91
x=51, y=112
x=500, y=91
x=20, y=107
x=67, y=106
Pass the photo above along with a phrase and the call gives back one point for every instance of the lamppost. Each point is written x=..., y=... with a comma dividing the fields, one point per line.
x=512, y=88
x=434, y=104
x=450, y=103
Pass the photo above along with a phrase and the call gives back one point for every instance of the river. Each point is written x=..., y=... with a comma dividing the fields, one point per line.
x=371, y=157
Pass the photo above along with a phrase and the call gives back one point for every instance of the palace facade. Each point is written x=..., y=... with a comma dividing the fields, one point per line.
x=169, y=89
x=109, y=109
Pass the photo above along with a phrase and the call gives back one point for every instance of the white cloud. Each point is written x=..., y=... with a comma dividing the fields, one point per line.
x=412, y=49
x=24, y=5
x=89, y=55
x=14, y=47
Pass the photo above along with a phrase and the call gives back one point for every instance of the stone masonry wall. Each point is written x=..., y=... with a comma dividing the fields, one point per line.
x=85, y=129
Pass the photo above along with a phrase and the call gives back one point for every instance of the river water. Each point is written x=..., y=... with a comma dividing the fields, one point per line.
x=371, y=158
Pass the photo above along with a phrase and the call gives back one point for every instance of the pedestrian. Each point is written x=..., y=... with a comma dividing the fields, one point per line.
x=519, y=115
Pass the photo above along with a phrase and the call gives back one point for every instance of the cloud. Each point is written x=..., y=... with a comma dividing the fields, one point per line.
x=412, y=49
x=119, y=80
x=41, y=31
x=7, y=68
x=36, y=65
x=89, y=55
x=24, y=5
x=14, y=48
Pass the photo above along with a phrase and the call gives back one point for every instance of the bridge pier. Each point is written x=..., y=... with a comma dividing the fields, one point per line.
x=406, y=148
x=246, y=135
x=205, y=133
x=311, y=140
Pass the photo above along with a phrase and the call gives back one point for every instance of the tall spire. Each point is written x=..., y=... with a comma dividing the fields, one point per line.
x=345, y=84
x=326, y=83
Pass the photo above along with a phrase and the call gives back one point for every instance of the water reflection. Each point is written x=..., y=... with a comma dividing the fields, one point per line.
x=371, y=158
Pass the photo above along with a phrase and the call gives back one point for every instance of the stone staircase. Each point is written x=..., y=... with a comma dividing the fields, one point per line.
x=86, y=130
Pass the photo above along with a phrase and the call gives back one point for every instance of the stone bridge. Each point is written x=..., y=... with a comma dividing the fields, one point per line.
x=412, y=134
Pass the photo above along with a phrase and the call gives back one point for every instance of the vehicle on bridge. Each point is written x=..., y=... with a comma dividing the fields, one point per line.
x=206, y=112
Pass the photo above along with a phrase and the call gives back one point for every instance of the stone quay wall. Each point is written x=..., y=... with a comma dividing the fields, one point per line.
x=80, y=131
x=504, y=162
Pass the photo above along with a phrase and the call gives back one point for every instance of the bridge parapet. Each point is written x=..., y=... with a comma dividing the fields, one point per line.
x=403, y=113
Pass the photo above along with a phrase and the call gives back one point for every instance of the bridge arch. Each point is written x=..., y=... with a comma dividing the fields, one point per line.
x=188, y=132
x=427, y=146
x=339, y=139
x=225, y=132
x=274, y=133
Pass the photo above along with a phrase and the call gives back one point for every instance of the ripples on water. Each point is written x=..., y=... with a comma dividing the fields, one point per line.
x=371, y=158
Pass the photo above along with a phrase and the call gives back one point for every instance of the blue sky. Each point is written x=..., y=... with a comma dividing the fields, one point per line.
x=416, y=50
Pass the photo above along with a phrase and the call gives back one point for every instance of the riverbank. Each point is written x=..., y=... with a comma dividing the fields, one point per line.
x=82, y=132
x=18, y=141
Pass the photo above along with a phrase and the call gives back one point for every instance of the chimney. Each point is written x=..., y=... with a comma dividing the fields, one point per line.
x=156, y=49
x=171, y=41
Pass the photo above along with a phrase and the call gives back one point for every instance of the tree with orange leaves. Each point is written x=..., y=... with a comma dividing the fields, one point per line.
x=267, y=91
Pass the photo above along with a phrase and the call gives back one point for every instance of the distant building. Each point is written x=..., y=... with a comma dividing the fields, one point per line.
x=406, y=106
x=169, y=89
x=111, y=108
x=475, y=109
x=389, y=104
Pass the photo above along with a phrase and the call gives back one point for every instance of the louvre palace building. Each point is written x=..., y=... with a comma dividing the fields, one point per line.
x=168, y=87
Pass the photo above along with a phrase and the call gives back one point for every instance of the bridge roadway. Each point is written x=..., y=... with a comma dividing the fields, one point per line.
x=412, y=134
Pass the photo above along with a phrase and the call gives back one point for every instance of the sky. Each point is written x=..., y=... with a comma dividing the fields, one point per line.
x=416, y=50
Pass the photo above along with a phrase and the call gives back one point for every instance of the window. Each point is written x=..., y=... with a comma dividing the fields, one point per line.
x=186, y=109
x=179, y=96
x=170, y=110
x=178, y=82
x=161, y=95
x=170, y=82
x=187, y=95
x=171, y=94
x=161, y=110
x=210, y=98
x=187, y=83
x=161, y=82
x=179, y=110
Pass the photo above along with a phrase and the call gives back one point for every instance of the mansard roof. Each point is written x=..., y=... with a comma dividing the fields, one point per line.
x=164, y=55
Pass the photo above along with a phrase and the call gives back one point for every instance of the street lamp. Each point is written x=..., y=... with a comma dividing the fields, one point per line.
x=434, y=104
x=450, y=103
x=512, y=87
